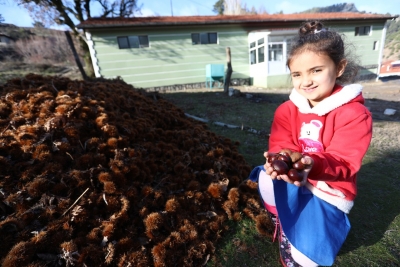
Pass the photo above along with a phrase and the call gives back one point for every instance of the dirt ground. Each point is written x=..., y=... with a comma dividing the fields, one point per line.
x=382, y=95
x=379, y=96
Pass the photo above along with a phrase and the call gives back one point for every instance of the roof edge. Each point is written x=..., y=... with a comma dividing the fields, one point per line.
x=228, y=20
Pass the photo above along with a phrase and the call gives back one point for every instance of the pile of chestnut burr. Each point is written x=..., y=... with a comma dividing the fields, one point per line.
x=287, y=162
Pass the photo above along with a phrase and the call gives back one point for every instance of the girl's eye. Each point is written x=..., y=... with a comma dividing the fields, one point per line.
x=294, y=75
x=316, y=70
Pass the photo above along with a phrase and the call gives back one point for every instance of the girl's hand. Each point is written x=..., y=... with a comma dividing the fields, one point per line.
x=306, y=160
x=308, y=164
x=269, y=170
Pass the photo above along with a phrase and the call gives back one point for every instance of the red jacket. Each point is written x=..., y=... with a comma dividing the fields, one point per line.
x=336, y=133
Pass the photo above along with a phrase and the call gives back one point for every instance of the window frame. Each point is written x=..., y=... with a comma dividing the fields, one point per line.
x=375, y=46
x=255, y=48
x=361, y=30
x=142, y=41
x=275, y=47
x=204, y=38
x=119, y=43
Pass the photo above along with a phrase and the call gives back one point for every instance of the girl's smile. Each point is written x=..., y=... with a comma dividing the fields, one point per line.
x=314, y=75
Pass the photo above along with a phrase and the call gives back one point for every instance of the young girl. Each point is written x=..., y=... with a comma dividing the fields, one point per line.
x=328, y=123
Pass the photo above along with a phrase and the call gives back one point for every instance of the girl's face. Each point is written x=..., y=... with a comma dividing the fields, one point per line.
x=314, y=75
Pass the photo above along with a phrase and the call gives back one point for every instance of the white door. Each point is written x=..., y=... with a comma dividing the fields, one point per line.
x=276, y=58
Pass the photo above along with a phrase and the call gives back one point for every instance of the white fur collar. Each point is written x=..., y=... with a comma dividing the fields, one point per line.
x=348, y=93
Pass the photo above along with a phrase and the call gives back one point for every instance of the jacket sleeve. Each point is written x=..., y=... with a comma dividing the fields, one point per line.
x=350, y=141
x=282, y=130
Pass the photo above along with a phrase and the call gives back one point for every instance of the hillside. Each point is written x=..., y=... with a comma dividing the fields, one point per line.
x=392, y=44
x=42, y=42
x=36, y=50
x=343, y=7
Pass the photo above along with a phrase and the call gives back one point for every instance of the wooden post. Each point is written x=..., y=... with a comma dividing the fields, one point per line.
x=228, y=71
x=76, y=56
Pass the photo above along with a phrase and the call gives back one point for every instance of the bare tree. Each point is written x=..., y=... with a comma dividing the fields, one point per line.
x=233, y=7
x=262, y=10
x=229, y=70
x=71, y=13
x=38, y=24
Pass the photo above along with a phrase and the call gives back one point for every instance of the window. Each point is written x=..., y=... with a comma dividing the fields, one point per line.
x=204, y=38
x=275, y=52
x=133, y=41
x=253, y=59
x=364, y=30
x=195, y=38
x=376, y=45
x=261, y=54
x=257, y=51
x=123, y=42
x=144, y=41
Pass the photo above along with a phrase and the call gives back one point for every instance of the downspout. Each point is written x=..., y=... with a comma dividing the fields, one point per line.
x=383, y=38
x=92, y=52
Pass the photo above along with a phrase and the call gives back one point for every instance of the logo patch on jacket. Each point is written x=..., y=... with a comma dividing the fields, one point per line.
x=309, y=136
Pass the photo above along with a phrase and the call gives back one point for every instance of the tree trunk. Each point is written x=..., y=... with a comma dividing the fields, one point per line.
x=87, y=58
x=76, y=56
x=228, y=71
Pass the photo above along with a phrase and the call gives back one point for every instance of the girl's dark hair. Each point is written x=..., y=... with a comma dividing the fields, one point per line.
x=315, y=38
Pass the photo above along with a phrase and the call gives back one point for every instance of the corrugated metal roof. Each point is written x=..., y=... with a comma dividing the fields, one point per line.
x=225, y=19
x=390, y=67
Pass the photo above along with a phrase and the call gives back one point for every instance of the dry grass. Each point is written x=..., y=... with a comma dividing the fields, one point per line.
x=14, y=69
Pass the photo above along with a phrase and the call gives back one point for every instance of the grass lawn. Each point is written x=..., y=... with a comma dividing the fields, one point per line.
x=374, y=239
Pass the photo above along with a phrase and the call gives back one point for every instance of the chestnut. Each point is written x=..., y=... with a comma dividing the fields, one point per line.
x=298, y=165
x=271, y=157
x=285, y=159
x=296, y=156
x=286, y=151
x=280, y=166
x=293, y=175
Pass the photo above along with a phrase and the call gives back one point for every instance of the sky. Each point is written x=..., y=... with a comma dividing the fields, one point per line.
x=14, y=14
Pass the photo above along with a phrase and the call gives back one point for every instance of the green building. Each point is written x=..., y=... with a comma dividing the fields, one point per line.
x=156, y=52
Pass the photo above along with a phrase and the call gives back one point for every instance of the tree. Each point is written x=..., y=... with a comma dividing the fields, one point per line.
x=71, y=13
x=219, y=7
x=38, y=24
x=235, y=7
x=262, y=10
x=1, y=19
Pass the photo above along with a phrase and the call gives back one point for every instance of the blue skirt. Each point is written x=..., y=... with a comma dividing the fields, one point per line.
x=314, y=227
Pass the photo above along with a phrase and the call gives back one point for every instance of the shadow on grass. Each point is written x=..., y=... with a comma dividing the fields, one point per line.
x=376, y=208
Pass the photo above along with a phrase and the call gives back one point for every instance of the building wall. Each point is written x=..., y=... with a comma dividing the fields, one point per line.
x=172, y=59
x=363, y=46
x=279, y=81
